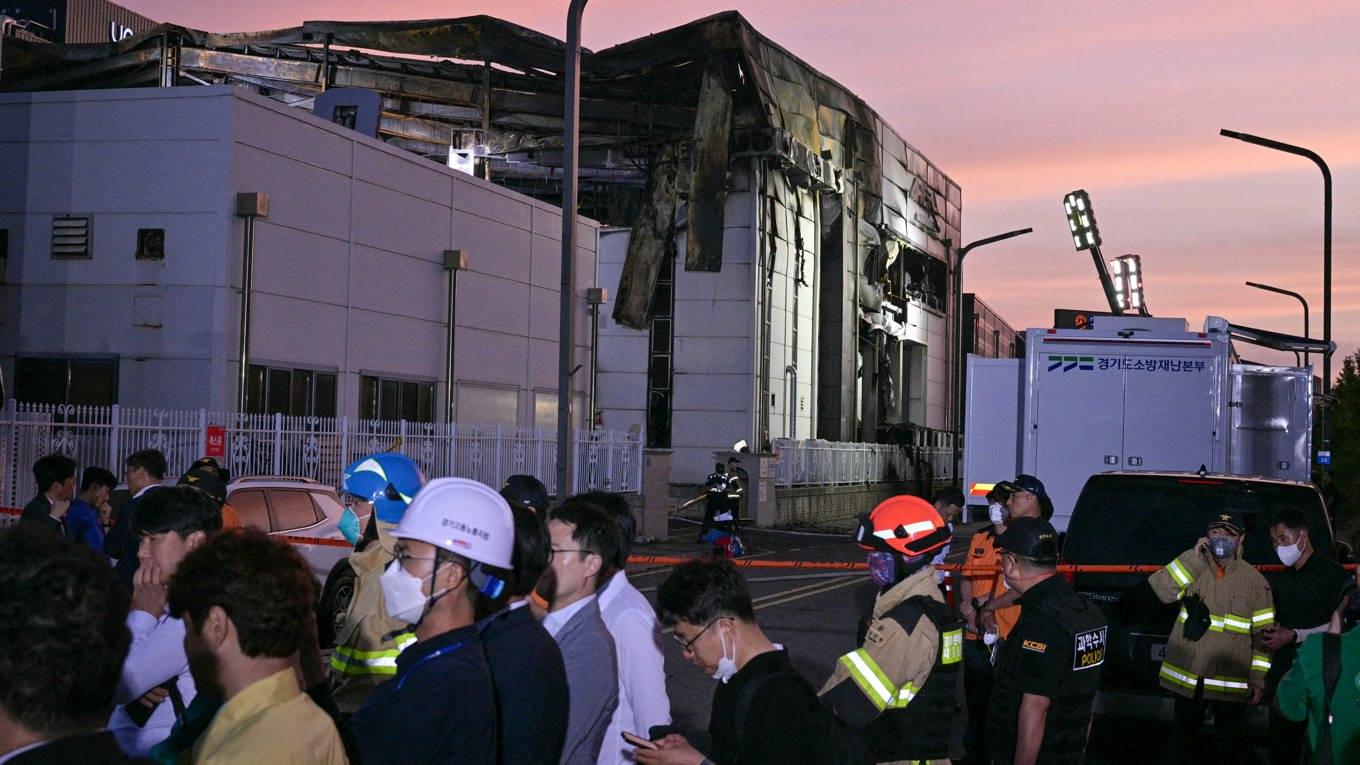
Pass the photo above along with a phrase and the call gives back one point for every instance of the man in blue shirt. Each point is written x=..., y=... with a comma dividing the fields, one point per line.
x=84, y=520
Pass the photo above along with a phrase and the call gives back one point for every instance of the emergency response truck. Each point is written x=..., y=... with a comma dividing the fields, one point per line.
x=1132, y=393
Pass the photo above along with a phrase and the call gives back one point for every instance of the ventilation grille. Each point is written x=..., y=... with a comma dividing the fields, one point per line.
x=71, y=236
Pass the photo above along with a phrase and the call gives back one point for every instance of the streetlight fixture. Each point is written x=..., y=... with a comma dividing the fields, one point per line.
x=958, y=332
x=1081, y=220
x=571, y=149
x=1296, y=296
x=1326, y=251
x=1128, y=283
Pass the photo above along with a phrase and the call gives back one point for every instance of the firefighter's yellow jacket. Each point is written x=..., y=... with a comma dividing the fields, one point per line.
x=362, y=659
x=1231, y=657
x=898, y=688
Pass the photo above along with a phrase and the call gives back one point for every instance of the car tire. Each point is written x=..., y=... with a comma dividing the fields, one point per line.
x=336, y=597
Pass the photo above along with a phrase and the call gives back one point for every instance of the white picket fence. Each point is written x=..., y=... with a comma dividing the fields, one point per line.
x=815, y=462
x=312, y=447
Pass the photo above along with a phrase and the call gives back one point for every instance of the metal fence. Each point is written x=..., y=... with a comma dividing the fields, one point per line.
x=830, y=463
x=310, y=447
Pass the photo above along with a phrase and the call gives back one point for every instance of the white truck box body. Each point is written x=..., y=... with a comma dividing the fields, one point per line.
x=992, y=412
x=1099, y=400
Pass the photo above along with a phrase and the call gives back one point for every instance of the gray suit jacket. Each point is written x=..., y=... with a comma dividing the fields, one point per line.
x=592, y=683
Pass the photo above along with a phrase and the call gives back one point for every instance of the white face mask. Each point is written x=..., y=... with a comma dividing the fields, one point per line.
x=727, y=667
x=404, y=594
x=996, y=513
x=1289, y=554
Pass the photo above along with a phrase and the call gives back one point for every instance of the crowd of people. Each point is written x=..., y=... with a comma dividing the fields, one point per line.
x=493, y=626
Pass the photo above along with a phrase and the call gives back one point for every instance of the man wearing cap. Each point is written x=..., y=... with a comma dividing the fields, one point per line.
x=988, y=607
x=1216, y=654
x=452, y=559
x=1048, y=672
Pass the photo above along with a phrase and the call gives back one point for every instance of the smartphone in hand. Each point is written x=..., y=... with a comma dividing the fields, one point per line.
x=638, y=741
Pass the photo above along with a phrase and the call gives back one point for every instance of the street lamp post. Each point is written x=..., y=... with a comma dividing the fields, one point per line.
x=571, y=148
x=1296, y=296
x=958, y=334
x=1326, y=251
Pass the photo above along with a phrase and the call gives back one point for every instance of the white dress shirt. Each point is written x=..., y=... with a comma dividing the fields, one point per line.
x=643, y=703
x=157, y=654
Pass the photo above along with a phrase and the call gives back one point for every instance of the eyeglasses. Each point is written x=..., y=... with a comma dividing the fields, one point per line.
x=401, y=556
x=688, y=645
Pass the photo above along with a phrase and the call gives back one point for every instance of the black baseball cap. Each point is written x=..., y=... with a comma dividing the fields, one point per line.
x=1228, y=519
x=1031, y=484
x=207, y=482
x=526, y=491
x=1030, y=538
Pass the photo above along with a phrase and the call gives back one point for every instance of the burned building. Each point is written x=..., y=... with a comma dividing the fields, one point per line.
x=777, y=256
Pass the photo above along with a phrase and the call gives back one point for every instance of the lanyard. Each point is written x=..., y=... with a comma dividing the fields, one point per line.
x=445, y=651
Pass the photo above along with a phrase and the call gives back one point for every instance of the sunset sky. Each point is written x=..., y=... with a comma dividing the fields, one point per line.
x=1022, y=102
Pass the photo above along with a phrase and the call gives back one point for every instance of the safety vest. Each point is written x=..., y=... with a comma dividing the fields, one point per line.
x=1069, y=711
x=918, y=722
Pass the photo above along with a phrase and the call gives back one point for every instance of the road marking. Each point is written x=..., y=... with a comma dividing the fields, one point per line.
x=794, y=591
x=797, y=593
x=807, y=592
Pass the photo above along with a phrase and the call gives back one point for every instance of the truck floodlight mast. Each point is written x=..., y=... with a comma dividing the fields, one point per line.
x=1081, y=220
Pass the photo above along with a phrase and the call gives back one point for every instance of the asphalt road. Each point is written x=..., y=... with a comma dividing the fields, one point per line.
x=814, y=614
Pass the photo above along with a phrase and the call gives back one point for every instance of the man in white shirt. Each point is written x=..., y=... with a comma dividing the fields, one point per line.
x=631, y=621
x=155, y=686
x=583, y=545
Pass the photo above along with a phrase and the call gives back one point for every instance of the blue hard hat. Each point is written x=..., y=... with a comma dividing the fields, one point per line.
x=389, y=480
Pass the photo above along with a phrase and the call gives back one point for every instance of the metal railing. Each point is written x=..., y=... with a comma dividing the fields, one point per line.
x=312, y=447
x=832, y=463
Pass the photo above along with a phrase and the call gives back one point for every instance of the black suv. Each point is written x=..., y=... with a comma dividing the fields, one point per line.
x=1149, y=519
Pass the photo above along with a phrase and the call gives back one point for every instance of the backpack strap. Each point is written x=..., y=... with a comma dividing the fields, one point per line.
x=1331, y=673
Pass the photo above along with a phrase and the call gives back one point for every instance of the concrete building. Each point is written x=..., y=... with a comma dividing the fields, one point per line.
x=778, y=258
x=122, y=281
x=986, y=334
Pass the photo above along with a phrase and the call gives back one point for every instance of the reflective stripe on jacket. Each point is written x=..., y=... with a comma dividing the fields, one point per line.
x=898, y=689
x=1230, y=659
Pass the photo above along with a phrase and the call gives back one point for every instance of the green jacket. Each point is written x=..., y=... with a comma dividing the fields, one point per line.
x=1300, y=694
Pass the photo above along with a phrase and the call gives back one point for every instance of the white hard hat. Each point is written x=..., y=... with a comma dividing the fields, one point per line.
x=464, y=517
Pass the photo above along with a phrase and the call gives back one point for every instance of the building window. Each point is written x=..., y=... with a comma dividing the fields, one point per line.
x=58, y=380
x=4, y=253
x=382, y=398
x=71, y=236
x=150, y=244
x=293, y=392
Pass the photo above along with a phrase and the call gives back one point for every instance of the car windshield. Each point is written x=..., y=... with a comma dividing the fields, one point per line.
x=1152, y=519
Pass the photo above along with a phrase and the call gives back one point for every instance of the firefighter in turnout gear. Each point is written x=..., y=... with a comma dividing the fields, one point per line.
x=368, y=642
x=897, y=690
x=1216, y=654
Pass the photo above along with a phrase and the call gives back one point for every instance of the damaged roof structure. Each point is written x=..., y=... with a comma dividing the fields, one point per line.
x=664, y=119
